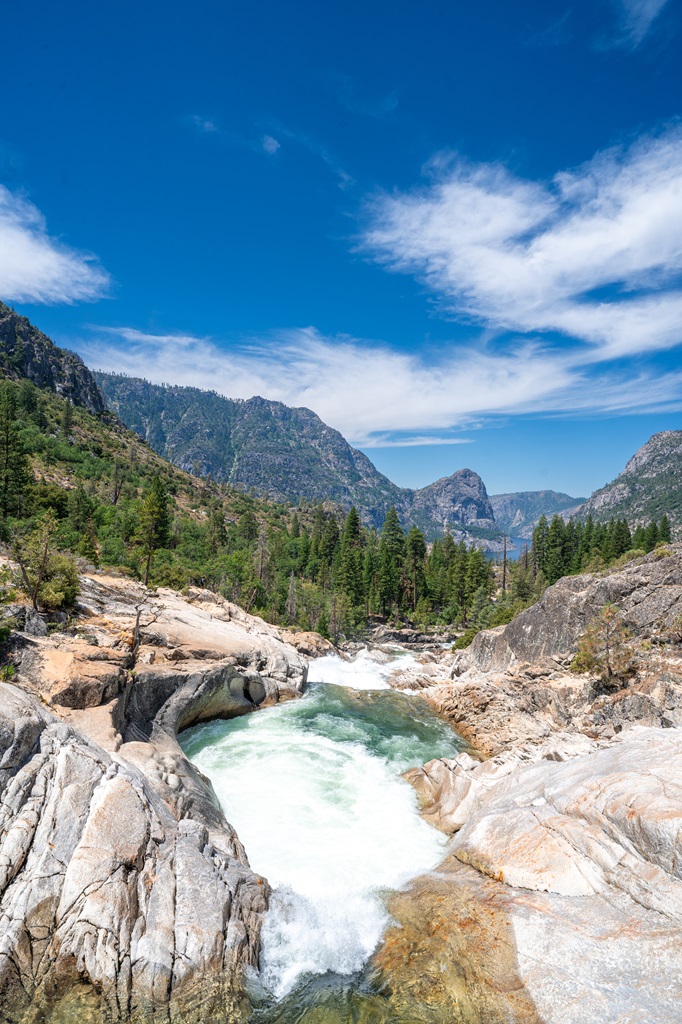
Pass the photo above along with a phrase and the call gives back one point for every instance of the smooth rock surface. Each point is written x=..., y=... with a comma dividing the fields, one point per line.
x=124, y=892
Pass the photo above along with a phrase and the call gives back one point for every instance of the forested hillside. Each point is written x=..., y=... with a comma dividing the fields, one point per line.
x=290, y=454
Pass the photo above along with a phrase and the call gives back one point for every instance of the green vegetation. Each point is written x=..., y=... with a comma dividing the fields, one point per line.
x=78, y=485
x=561, y=549
x=603, y=648
x=81, y=485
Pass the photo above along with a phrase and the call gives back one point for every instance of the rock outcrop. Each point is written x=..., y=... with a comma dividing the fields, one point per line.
x=650, y=484
x=25, y=352
x=124, y=892
x=563, y=882
x=560, y=901
x=648, y=592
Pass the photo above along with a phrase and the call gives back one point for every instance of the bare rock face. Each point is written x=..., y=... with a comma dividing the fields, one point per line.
x=25, y=352
x=648, y=593
x=574, y=865
x=561, y=899
x=651, y=480
x=124, y=892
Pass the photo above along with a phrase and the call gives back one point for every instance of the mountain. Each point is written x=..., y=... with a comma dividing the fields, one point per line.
x=460, y=498
x=650, y=485
x=25, y=352
x=518, y=513
x=288, y=454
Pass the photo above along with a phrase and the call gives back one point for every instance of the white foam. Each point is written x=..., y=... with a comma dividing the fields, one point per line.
x=330, y=825
x=364, y=672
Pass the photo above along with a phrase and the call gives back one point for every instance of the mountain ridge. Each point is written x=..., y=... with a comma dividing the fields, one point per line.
x=649, y=485
x=518, y=512
x=289, y=453
x=25, y=352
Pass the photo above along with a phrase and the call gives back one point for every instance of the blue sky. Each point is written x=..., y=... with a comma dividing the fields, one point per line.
x=453, y=230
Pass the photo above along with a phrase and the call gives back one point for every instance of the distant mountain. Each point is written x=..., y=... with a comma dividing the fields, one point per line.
x=460, y=498
x=517, y=513
x=27, y=352
x=650, y=485
x=288, y=454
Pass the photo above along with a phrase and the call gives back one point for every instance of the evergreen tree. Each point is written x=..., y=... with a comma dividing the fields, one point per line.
x=350, y=559
x=539, y=549
x=15, y=473
x=217, y=534
x=553, y=564
x=664, y=533
x=67, y=419
x=248, y=525
x=154, y=523
x=651, y=536
x=391, y=555
x=49, y=578
x=292, y=600
x=416, y=553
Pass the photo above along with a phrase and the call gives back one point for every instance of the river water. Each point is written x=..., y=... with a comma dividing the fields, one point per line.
x=314, y=791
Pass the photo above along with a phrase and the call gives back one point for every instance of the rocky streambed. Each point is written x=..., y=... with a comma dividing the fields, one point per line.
x=554, y=893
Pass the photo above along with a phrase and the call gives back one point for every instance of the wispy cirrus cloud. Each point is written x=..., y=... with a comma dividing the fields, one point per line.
x=37, y=267
x=637, y=18
x=375, y=395
x=595, y=254
x=204, y=125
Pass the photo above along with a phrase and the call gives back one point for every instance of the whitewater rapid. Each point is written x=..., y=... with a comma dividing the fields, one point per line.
x=313, y=788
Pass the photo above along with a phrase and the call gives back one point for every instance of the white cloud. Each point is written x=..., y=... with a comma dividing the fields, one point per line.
x=596, y=254
x=204, y=125
x=637, y=17
x=35, y=266
x=376, y=396
x=270, y=145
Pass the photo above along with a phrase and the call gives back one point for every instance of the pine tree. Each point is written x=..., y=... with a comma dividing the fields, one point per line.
x=350, y=559
x=67, y=419
x=15, y=473
x=217, y=534
x=391, y=556
x=248, y=525
x=154, y=522
x=651, y=536
x=664, y=532
x=416, y=552
x=553, y=566
x=291, y=607
x=539, y=549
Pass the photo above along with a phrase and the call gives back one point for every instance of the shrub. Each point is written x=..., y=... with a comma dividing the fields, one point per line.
x=465, y=639
x=48, y=578
x=603, y=647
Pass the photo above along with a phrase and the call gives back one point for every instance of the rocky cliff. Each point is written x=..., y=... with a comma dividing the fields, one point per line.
x=450, y=501
x=517, y=514
x=650, y=485
x=288, y=453
x=124, y=892
x=561, y=899
x=27, y=352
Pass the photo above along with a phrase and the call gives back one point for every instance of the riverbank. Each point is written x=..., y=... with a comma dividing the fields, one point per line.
x=561, y=898
x=125, y=894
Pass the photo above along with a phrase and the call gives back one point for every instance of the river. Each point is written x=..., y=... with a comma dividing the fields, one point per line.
x=314, y=791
